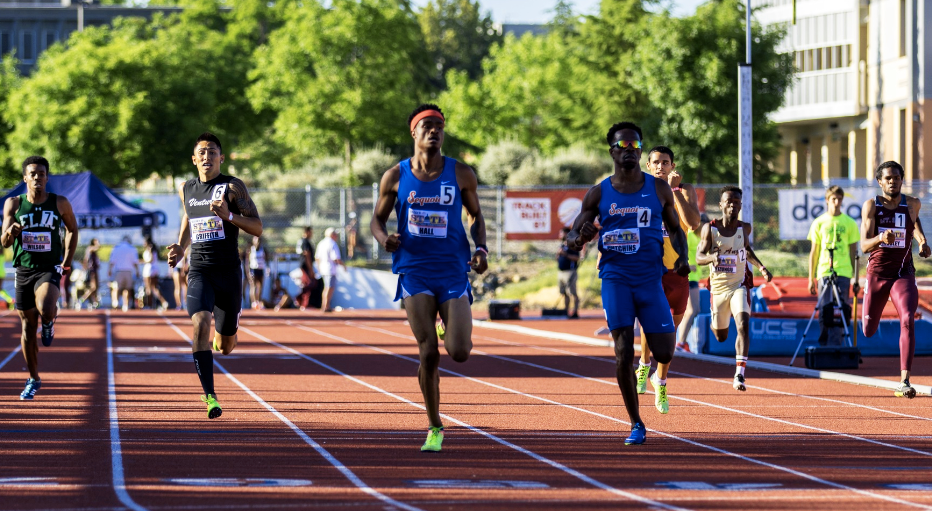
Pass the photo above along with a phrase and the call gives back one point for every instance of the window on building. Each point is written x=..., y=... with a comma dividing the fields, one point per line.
x=49, y=37
x=6, y=43
x=28, y=46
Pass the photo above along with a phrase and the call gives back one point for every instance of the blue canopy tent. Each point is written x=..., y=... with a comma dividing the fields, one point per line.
x=95, y=205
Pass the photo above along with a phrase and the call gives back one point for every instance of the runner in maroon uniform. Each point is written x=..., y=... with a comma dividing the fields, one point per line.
x=888, y=224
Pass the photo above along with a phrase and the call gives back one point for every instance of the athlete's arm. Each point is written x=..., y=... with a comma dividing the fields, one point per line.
x=706, y=252
x=388, y=193
x=71, y=230
x=869, y=242
x=671, y=218
x=924, y=249
x=751, y=256
x=687, y=205
x=583, y=230
x=469, y=188
x=248, y=218
x=176, y=250
x=11, y=228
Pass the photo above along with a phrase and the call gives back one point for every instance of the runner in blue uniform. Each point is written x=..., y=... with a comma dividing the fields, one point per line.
x=430, y=251
x=632, y=207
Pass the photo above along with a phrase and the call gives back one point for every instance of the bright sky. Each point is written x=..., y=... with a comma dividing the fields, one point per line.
x=539, y=11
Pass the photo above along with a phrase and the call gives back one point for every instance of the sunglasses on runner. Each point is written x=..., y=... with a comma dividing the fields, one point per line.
x=621, y=144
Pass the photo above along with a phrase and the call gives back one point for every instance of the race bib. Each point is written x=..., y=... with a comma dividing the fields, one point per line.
x=626, y=241
x=427, y=224
x=206, y=228
x=899, y=242
x=37, y=241
x=727, y=264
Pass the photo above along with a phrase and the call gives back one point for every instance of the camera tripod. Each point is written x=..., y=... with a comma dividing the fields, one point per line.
x=836, y=304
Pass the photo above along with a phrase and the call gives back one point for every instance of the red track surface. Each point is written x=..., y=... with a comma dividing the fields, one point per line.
x=328, y=408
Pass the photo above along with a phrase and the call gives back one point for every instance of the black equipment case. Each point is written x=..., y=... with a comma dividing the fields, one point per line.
x=504, y=309
x=832, y=357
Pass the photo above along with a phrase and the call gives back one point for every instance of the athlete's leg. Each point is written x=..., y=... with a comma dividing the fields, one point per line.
x=179, y=294
x=259, y=283
x=624, y=370
x=422, y=316
x=905, y=296
x=721, y=315
x=28, y=343
x=692, y=310
x=47, y=301
x=457, y=319
x=876, y=293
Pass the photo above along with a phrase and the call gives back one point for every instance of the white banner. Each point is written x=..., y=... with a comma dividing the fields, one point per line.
x=168, y=205
x=527, y=215
x=798, y=209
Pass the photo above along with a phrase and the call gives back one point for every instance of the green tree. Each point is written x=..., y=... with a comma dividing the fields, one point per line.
x=688, y=70
x=341, y=77
x=458, y=36
x=127, y=101
x=10, y=80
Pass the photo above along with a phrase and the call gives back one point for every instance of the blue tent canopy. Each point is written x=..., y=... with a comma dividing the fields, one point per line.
x=94, y=205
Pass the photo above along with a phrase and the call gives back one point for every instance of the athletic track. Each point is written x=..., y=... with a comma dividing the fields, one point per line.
x=324, y=412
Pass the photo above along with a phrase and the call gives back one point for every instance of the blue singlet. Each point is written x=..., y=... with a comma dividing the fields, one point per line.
x=631, y=239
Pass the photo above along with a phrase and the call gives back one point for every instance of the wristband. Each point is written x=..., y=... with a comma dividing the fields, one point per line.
x=483, y=249
x=763, y=269
x=676, y=188
x=231, y=217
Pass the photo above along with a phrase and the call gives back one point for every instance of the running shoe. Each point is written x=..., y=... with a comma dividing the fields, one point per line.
x=905, y=390
x=738, y=384
x=642, y=372
x=217, y=342
x=434, y=439
x=48, y=333
x=682, y=346
x=441, y=330
x=638, y=434
x=213, y=407
x=660, y=394
x=32, y=385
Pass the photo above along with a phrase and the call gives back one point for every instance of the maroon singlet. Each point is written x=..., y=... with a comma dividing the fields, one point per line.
x=895, y=260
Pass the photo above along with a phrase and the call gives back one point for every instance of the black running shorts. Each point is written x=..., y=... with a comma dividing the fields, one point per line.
x=219, y=292
x=28, y=280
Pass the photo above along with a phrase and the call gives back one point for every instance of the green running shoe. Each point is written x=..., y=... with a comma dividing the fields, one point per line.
x=441, y=330
x=434, y=439
x=642, y=372
x=660, y=394
x=213, y=407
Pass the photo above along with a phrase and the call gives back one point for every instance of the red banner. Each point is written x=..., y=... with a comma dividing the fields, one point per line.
x=539, y=215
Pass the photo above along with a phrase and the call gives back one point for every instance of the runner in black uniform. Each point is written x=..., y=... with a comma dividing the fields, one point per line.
x=216, y=207
x=32, y=224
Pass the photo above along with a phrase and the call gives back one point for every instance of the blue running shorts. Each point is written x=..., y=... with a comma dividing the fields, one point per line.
x=624, y=301
x=443, y=288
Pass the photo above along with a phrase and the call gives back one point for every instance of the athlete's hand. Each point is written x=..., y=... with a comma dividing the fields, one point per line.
x=587, y=233
x=888, y=237
x=714, y=252
x=479, y=263
x=14, y=230
x=681, y=266
x=220, y=208
x=925, y=250
x=767, y=274
x=392, y=242
x=175, y=253
x=812, y=286
x=674, y=178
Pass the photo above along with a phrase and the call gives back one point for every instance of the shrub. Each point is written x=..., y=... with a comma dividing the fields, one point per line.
x=502, y=160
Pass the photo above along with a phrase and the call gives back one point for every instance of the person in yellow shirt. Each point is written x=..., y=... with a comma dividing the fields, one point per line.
x=838, y=231
x=3, y=294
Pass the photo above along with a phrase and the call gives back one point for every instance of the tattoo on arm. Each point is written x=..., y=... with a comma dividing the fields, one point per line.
x=242, y=199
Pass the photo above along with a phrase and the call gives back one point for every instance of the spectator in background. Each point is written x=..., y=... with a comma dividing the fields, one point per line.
x=567, y=264
x=328, y=258
x=258, y=265
x=308, y=281
x=3, y=294
x=91, y=274
x=150, y=274
x=180, y=279
x=279, y=296
x=124, y=266
x=352, y=228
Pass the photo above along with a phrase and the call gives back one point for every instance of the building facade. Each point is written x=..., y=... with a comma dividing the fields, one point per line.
x=862, y=89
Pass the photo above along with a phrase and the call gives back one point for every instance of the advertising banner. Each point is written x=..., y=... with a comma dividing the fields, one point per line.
x=798, y=208
x=539, y=215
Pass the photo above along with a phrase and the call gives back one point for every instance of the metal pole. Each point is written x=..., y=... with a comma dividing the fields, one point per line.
x=499, y=221
x=307, y=205
x=80, y=15
x=343, y=219
x=745, y=138
x=375, y=200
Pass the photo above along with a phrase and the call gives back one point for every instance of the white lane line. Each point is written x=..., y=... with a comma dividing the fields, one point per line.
x=116, y=451
x=681, y=398
x=723, y=382
x=490, y=436
x=613, y=419
x=15, y=350
x=353, y=478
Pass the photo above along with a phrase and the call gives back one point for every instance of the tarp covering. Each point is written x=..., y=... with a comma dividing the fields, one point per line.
x=94, y=205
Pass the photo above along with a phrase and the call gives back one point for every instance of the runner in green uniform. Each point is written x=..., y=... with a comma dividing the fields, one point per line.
x=32, y=224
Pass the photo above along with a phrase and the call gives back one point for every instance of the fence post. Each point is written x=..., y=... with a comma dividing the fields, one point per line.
x=307, y=205
x=343, y=219
x=375, y=201
x=499, y=220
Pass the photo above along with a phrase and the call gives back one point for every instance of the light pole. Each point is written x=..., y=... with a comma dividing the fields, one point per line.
x=745, y=139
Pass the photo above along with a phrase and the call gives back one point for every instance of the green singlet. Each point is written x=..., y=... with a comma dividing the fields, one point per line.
x=39, y=246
